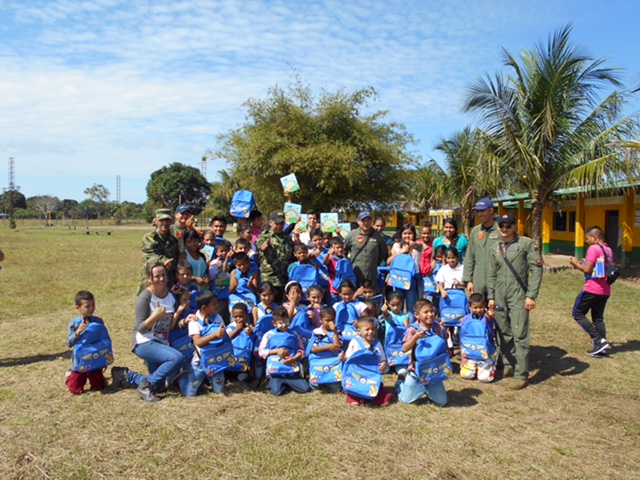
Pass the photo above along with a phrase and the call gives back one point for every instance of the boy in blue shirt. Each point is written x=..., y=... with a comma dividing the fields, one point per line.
x=76, y=380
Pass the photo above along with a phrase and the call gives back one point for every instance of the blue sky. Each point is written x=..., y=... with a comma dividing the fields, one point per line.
x=94, y=89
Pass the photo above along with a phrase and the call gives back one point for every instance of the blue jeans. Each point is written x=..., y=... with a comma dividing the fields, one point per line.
x=411, y=389
x=278, y=385
x=190, y=384
x=162, y=360
x=135, y=378
x=412, y=295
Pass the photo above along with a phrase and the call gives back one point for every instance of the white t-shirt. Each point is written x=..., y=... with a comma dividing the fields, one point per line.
x=160, y=329
x=195, y=328
x=447, y=275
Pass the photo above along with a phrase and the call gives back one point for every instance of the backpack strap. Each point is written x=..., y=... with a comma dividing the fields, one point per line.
x=503, y=253
x=355, y=255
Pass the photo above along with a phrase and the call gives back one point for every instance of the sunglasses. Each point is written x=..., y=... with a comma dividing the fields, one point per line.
x=505, y=225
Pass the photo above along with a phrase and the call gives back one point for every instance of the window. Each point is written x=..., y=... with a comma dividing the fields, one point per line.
x=572, y=221
x=559, y=222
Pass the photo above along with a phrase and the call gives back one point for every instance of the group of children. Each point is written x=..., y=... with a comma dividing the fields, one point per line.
x=327, y=334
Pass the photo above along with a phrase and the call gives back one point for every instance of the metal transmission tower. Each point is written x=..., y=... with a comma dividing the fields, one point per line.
x=118, y=190
x=12, y=189
x=203, y=167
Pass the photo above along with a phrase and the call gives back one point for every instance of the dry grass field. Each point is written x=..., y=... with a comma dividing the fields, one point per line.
x=579, y=418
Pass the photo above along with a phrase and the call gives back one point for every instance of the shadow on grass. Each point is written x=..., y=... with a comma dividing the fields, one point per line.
x=14, y=362
x=551, y=361
x=463, y=398
x=630, y=346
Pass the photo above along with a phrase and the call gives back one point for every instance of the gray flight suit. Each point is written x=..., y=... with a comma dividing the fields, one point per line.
x=482, y=245
x=513, y=321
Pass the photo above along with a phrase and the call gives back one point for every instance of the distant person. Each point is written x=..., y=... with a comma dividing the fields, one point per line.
x=366, y=248
x=452, y=238
x=595, y=293
x=515, y=275
x=84, y=331
x=483, y=241
x=184, y=222
x=160, y=246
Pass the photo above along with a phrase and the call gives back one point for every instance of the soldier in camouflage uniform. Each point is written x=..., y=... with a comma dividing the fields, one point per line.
x=161, y=246
x=483, y=241
x=276, y=253
x=511, y=301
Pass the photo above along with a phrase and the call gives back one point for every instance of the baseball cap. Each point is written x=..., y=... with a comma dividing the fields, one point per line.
x=277, y=216
x=483, y=204
x=183, y=208
x=164, y=214
x=364, y=214
x=506, y=218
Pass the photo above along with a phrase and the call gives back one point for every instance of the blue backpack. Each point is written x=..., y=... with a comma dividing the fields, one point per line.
x=394, y=334
x=242, y=352
x=324, y=367
x=265, y=323
x=305, y=274
x=93, y=351
x=301, y=325
x=275, y=365
x=476, y=339
x=432, y=362
x=220, y=285
x=402, y=272
x=361, y=376
x=346, y=314
x=454, y=307
x=218, y=354
x=241, y=204
x=344, y=271
x=180, y=340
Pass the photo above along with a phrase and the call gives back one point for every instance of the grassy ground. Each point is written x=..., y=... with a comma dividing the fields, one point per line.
x=578, y=418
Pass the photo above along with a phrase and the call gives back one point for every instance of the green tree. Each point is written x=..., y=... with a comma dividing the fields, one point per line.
x=19, y=200
x=340, y=155
x=175, y=184
x=548, y=127
x=99, y=195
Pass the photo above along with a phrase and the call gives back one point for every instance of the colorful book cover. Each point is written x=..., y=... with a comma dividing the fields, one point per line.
x=344, y=228
x=302, y=223
x=290, y=183
x=292, y=212
x=329, y=222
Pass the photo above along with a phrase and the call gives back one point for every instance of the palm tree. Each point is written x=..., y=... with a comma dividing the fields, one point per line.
x=468, y=175
x=547, y=124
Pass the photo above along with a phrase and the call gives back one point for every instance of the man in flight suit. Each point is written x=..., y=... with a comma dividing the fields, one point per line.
x=515, y=275
x=483, y=241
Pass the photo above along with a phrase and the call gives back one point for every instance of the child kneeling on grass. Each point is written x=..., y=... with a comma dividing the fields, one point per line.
x=283, y=350
x=430, y=363
x=365, y=344
x=92, y=350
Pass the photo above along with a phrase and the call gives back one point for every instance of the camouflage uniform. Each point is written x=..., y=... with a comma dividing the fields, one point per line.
x=275, y=260
x=513, y=322
x=483, y=242
x=159, y=248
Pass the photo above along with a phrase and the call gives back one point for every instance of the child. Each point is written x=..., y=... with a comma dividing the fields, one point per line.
x=243, y=286
x=325, y=353
x=197, y=260
x=293, y=293
x=427, y=262
x=392, y=310
x=87, y=336
x=242, y=341
x=337, y=275
x=476, y=342
x=283, y=351
x=208, y=243
x=257, y=223
x=450, y=275
x=220, y=279
x=243, y=243
x=417, y=382
x=267, y=293
x=207, y=327
x=431, y=292
x=179, y=335
x=366, y=340
x=315, y=295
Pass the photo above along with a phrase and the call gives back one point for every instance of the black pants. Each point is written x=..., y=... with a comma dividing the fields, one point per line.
x=595, y=327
